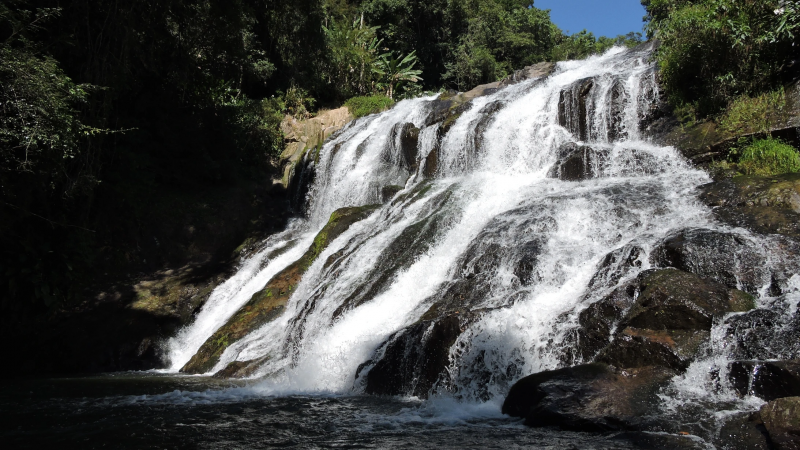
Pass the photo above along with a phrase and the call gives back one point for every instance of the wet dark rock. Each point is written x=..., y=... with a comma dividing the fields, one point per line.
x=578, y=162
x=766, y=380
x=766, y=205
x=661, y=441
x=414, y=359
x=388, y=192
x=662, y=317
x=241, y=369
x=616, y=265
x=573, y=108
x=592, y=397
x=617, y=103
x=763, y=334
x=671, y=299
x=781, y=418
x=487, y=116
x=743, y=431
x=431, y=163
x=634, y=348
x=403, y=142
x=723, y=257
x=301, y=177
x=598, y=322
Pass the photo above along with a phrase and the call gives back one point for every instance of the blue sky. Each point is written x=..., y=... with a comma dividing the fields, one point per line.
x=601, y=17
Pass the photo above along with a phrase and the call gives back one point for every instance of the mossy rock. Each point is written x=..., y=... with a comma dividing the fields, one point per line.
x=766, y=205
x=269, y=303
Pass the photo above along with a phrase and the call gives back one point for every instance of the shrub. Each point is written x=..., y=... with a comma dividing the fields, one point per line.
x=713, y=51
x=752, y=114
x=364, y=106
x=769, y=157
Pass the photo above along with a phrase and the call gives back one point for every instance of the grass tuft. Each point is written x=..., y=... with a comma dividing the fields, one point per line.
x=766, y=157
x=753, y=114
x=364, y=106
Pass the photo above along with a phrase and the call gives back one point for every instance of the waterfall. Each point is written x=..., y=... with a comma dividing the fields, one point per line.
x=503, y=213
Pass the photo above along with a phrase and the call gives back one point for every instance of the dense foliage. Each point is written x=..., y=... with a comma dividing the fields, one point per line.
x=713, y=51
x=123, y=123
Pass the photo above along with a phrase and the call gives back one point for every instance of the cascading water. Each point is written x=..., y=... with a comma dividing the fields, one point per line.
x=505, y=211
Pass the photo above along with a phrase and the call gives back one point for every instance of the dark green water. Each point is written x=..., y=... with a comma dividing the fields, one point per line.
x=134, y=410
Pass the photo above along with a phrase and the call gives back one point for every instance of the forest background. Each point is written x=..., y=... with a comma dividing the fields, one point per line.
x=141, y=134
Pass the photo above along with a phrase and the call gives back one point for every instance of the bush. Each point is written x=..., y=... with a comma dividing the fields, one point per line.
x=752, y=114
x=767, y=157
x=713, y=51
x=364, y=106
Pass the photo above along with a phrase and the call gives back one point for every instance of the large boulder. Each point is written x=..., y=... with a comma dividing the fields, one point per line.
x=768, y=380
x=662, y=317
x=743, y=431
x=782, y=420
x=726, y=258
x=578, y=162
x=766, y=205
x=764, y=334
x=592, y=397
x=414, y=359
x=268, y=303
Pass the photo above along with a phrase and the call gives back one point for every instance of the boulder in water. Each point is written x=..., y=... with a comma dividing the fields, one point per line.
x=763, y=334
x=578, y=162
x=591, y=397
x=745, y=431
x=767, y=380
x=782, y=420
x=268, y=303
x=662, y=318
x=414, y=359
x=726, y=258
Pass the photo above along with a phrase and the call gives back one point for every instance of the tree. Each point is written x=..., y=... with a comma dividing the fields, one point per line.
x=393, y=71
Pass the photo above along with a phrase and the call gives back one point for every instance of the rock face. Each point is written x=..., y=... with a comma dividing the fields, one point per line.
x=766, y=205
x=782, y=420
x=660, y=318
x=268, y=303
x=573, y=109
x=578, y=162
x=413, y=360
x=725, y=258
x=592, y=397
x=301, y=135
x=704, y=142
x=767, y=380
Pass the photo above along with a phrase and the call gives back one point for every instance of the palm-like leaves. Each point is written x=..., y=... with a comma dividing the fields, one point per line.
x=393, y=71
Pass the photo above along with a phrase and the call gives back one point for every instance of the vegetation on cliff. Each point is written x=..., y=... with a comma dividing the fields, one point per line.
x=715, y=51
x=127, y=127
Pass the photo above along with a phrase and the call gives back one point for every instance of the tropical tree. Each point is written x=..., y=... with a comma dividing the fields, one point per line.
x=353, y=51
x=395, y=71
